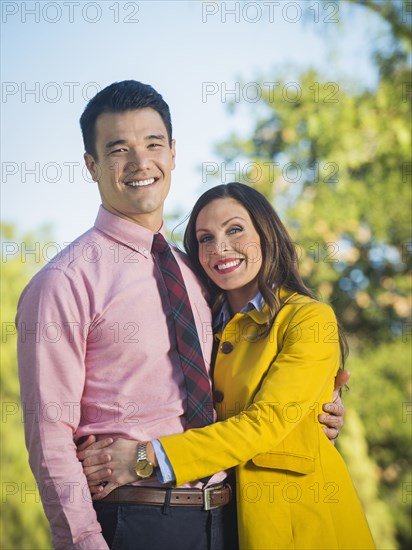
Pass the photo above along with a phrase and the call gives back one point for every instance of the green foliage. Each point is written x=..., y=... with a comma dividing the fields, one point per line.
x=23, y=523
x=395, y=13
x=382, y=397
x=365, y=476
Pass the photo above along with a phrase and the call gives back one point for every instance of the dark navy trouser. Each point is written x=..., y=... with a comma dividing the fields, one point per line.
x=147, y=527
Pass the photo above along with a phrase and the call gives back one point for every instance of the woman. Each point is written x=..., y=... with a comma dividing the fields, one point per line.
x=278, y=351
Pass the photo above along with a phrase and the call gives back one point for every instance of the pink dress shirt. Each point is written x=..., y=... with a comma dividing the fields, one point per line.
x=97, y=356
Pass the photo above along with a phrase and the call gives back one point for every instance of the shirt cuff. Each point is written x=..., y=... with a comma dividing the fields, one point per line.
x=165, y=473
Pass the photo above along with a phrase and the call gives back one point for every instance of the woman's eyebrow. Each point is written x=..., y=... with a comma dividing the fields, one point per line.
x=224, y=223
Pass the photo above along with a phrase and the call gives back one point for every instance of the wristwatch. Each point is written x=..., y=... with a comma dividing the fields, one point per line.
x=143, y=468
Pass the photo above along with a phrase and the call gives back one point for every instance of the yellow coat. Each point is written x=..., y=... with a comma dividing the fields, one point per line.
x=293, y=488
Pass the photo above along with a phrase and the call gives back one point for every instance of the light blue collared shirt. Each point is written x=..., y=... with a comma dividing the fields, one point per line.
x=224, y=315
x=165, y=473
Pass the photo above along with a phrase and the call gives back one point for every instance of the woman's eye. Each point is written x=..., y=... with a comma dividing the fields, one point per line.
x=234, y=230
x=204, y=239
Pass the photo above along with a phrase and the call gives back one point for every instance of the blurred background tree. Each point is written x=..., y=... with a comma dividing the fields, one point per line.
x=335, y=160
x=23, y=523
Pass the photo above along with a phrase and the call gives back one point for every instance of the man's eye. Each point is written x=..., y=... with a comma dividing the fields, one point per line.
x=155, y=145
x=120, y=150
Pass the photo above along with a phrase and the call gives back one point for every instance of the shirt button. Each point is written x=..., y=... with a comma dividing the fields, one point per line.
x=218, y=396
x=226, y=347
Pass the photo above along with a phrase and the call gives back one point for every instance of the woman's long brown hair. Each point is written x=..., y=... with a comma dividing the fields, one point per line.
x=279, y=258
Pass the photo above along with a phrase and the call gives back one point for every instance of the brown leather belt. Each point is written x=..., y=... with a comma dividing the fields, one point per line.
x=209, y=498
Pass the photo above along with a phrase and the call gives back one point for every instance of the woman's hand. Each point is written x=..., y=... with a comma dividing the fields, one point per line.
x=107, y=464
x=336, y=411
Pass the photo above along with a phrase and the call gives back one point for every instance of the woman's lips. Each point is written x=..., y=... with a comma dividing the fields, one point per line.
x=227, y=266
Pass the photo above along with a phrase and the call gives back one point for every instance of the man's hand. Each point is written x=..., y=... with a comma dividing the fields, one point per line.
x=334, y=420
x=107, y=464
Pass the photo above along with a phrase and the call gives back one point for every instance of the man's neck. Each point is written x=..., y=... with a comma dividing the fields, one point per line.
x=152, y=222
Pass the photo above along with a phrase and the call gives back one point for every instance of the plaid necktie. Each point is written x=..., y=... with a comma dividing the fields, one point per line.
x=199, y=395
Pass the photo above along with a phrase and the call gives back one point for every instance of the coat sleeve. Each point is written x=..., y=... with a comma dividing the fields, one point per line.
x=51, y=354
x=300, y=373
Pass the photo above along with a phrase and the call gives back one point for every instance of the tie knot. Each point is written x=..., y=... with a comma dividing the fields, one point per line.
x=159, y=244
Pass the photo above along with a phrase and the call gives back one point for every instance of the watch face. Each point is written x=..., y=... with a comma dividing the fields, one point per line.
x=144, y=468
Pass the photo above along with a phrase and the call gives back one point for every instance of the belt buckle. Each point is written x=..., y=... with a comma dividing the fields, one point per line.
x=207, y=497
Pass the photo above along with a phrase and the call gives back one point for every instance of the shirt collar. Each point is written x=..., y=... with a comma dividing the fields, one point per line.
x=130, y=234
x=223, y=317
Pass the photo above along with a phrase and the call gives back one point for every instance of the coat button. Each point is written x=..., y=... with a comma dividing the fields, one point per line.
x=226, y=347
x=218, y=396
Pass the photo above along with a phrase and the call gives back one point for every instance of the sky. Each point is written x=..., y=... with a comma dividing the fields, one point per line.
x=198, y=55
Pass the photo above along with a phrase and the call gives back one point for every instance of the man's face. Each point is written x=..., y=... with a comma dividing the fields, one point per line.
x=133, y=165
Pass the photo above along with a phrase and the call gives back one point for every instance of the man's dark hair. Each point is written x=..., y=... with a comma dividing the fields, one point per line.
x=128, y=95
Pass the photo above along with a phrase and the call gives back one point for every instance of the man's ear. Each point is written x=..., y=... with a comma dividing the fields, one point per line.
x=173, y=148
x=92, y=166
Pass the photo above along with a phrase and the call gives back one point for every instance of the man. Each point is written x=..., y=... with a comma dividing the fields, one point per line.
x=97, y=348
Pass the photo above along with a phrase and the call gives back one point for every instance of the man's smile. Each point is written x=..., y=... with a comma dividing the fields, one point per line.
x=140, y=183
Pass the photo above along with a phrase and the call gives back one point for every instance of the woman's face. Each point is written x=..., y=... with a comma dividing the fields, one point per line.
x=229, y=246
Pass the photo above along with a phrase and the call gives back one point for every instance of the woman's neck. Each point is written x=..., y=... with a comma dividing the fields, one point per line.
x=240, y=297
